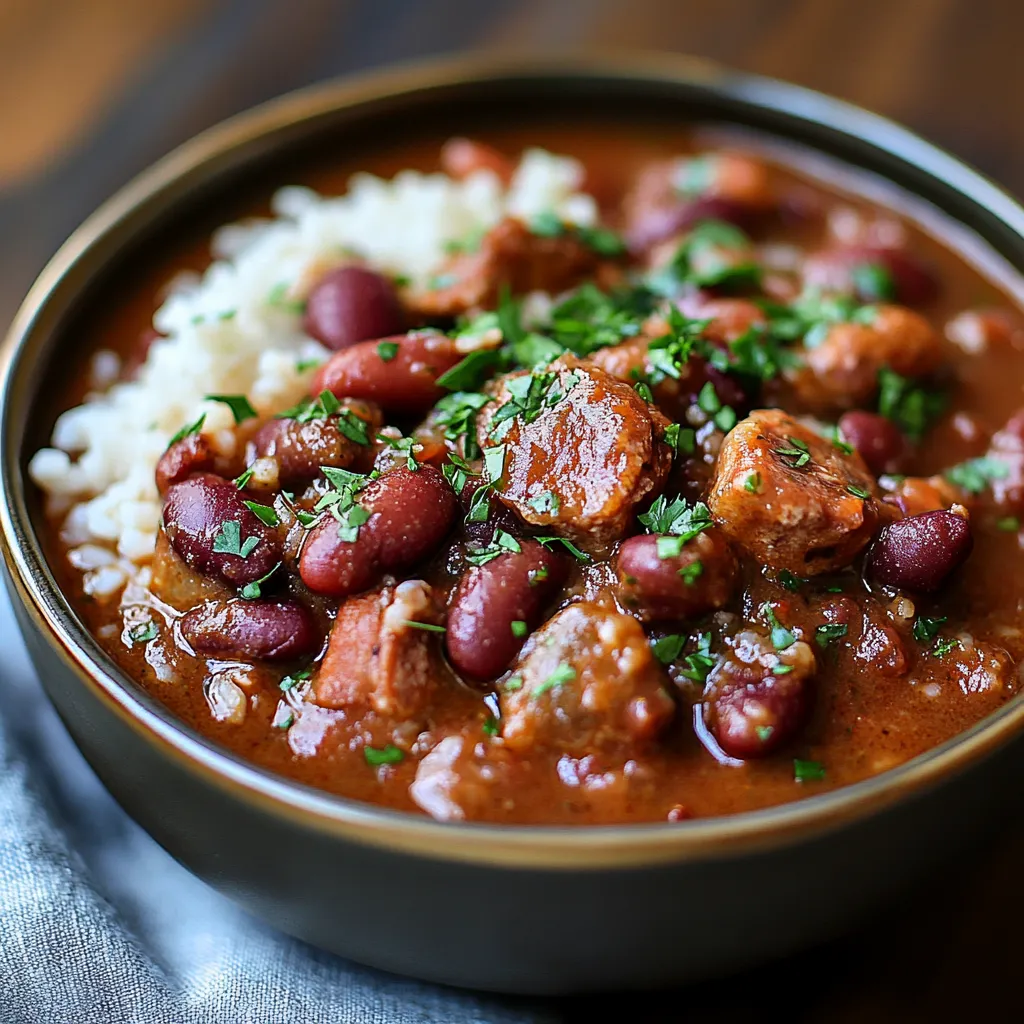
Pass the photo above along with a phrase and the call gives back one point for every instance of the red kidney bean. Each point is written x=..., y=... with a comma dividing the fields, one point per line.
x=196, y=512
x=302, y=448
x=876, y=438
x=352, y=304
x=269, y=630
x=919, y=552
x=512, y=588
x=401, y=383
x=499, y=515
x=192, y=454
x=671, y=587
x=753, y=719
x=411, y=511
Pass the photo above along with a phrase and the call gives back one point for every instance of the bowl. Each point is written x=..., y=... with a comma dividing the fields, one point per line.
x=512, y=909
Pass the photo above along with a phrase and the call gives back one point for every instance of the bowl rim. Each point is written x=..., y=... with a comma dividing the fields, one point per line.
x=557, y=847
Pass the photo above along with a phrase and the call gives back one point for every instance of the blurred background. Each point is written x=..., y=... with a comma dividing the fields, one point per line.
x=91, y=91
x=94, y=90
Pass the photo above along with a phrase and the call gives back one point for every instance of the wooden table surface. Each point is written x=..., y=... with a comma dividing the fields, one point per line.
x=93, y=90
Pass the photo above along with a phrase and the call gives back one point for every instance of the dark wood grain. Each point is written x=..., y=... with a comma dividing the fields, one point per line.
x=951, y=69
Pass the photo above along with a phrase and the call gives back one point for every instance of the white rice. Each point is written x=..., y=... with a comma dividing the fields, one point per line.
x=224, y=335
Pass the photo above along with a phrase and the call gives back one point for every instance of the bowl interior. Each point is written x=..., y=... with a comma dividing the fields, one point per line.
x=200, y=185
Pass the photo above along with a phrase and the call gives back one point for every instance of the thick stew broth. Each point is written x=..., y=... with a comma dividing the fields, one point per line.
x=749, y=609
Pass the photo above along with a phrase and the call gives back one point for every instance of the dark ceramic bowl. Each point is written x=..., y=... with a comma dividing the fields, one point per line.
x=542, y=910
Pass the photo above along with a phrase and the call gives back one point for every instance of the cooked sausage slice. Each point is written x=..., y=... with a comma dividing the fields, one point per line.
x=842, y=370
x=581, y=450
x=790, y=498
x=585, y=682
x=455, y=782
x=510, y=256
x=375, y=659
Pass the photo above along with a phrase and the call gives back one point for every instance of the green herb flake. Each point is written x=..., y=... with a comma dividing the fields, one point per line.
x=580, y=556
x=764, y=732
x=927, y=629
x=563, y=674
x=667, y=648
x=545, y=504
x=752, y=483
x=547, y=224
x=278, y=298
x=143, y=632
x=944, y=646
x=830, y=632
x=910, y=407
x=677, y=518
x=669, y=547
x=519, y=628
x=781, y=637
x=644, y=392
x=228, y=540
x=692, y=572
x=305, y=365
x=494, y=463
x=470, y=372
x=858, y=492
x=501, y=544
x=427, y=627
x=252, y=591
x=293, y=680
x=490, y=726
x=243, y=478
x=188, y=431
x=797, y=455
x=240, y=406
x=789, y=580
x=700, y=662
x=387, y=350
x=781, y=670
x=874, y=282
x=390, y=754
x=512, y=684
x=265, y=513
x=808, y=771
x=974, y=475
x=1008, y=524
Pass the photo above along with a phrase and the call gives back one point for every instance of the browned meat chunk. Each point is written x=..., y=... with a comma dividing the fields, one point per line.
x=509, y=256
x=375, y=659
x=456, y=781
x=790, y=498
x=842, y=371
x=581, y=450
x=586, y=682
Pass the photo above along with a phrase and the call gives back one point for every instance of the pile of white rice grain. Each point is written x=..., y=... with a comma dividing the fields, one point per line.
x=237, y=331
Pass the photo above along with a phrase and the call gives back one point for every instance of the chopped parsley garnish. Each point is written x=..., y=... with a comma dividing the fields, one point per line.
x=512, y=684
x=858, y=492
x=290, y=681
x=494, y=463
x=530, y=395
x=563, y=674
x=700, y=663
x=714, y=254
x=304, y=365
x=468, y=244
x=457, y=414
x=764, y=732
x=667, y=648
x=490, y=726
x=781, y=637
x=644, y=392
x=240, y=406
x=756, y=354
x=695, y=176
x=709, y=402
x=251, y=591
x=535, y=576
x=580, y=556
x=324, y=406
x=830, y=632
x=544, y=504
x=472, y=371
x=681, y=439
x=781, y=670
x=228, y=540
x=797, y=455
x=427, y=627
x=390, y=754
x=752, y=483
x=874, y=282
x=457, y=472
x=501, y=544
x=692, y=572
x=927, y=629
x=265, y=513
x=944, y=646
x=789, y=580
x=243, y=478
x=519, y=628
x=667, y=355
x=808, y=771
x=387, y=350
x=589, y=319
x=188, y=431
x=341, y=501
x=910, y=407
x=1008, y=524
x=143, y=632
x=603, y=241
x=677, y=518
x=405, y=445
x=278, y=298
x=974, y=475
